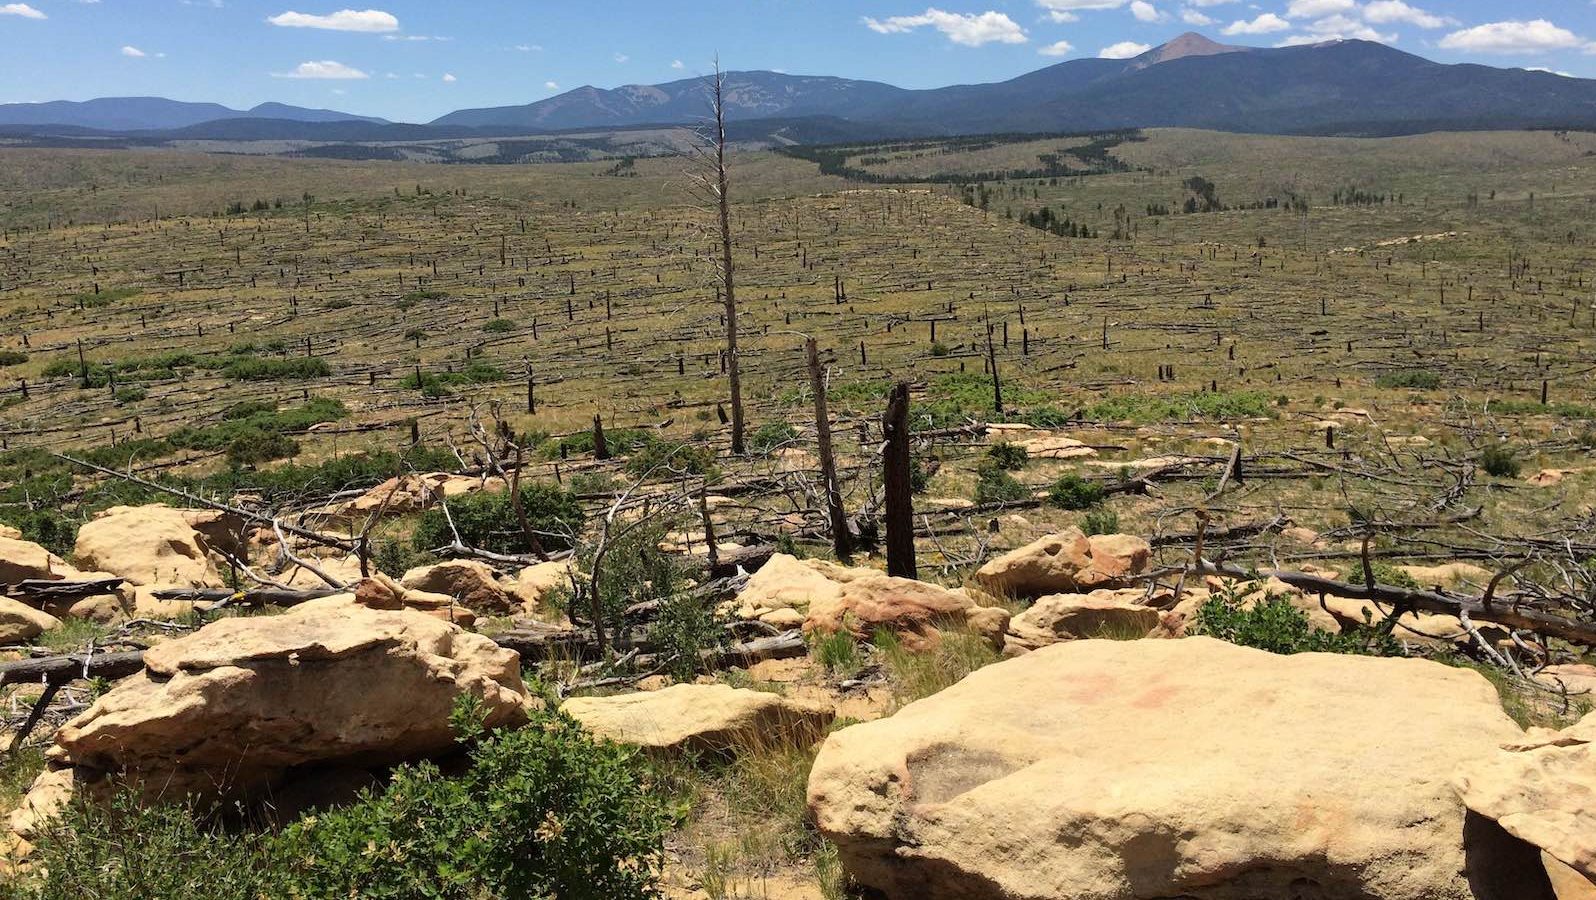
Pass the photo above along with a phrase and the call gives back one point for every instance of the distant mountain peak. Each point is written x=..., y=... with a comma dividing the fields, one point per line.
x=1189, y=44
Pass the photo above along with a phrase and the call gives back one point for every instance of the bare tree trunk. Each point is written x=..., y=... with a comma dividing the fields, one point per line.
x=729, y=292
x=841, y=540
x=899, y=485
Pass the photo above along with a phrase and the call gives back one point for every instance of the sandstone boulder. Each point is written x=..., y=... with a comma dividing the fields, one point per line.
x=229, y=709
x=1068, y=562
x=915, y=610
x=20, y=622
x=1575, y=679
x=472, y=583
x=1054, y=447
x=381, y=592
x=1092, y=770
x=24, y=560
x=705, y=718
x=151, y=545
x=536, y=585
x=1541, y=789
x=786, y=582
x=1063, y=617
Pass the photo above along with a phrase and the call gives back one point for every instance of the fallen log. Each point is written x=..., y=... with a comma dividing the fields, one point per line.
x=255, y=597
x=60, y=670
x=1503, y=610
x=41, y=589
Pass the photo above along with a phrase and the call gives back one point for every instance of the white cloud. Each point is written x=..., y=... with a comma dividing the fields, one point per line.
x=1069, y=6
x=678, y=65
x=1558, y=72
x=133, y=52
x=1194, y=17
x=1062, y=17
x=1385, y=12
x=528, y=48
x=1264, y=24
x=1313, y=9
x=1536, y=36
x=1146, y=12
x=1123, y=50
x=449, y=78
x=326, y=69
x=23, y=10
x=551, y=85
x=622, y=58
x=1057, y=48
x=968, y=29
x=368, y=20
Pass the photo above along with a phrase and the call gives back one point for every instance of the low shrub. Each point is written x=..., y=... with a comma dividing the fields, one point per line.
x=771, y=436
x=1007, y=456
x=1100, y=521
x=1071, y=491
x=487, y=520
x=1409, y=379
x=12, y=357
x=296, y=368
x=1499, y=461
x=1245, y=615
x=671, y=458
x=993, y=485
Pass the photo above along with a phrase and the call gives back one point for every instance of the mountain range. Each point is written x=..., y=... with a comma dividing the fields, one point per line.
x=1338, y=87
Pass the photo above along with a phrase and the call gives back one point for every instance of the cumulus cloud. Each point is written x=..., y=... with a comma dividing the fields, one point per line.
x=678, y=65
x=1385, y=12
x=1312, y=9
x=1057, y=48
x=551, y=85
x=325, y=69
x=1535, y=36
x=967, y=29
x=368, y=20
x=23, y=10
x=1336, y=28
x=1123, y=50
x=133, y=52
x=1146, y=12
x=449, y=78
x=1264, y=24
x=1196, y=17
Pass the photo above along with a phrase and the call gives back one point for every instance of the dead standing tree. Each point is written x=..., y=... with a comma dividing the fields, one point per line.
x=707, y=172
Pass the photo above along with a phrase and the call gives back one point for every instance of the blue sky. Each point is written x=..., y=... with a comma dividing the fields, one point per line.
x=412, y=60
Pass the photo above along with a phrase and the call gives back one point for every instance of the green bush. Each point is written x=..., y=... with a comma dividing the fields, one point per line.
x=685, y=629
x=1100, y=521
x=1203, y=405
x=498, y=326
x=487, y=520
x=545, y=811
x=619, y=441
x=253, y=447
x=298, y=368
x=125, y=851
x=1270, y=622
x=12, y=357
x=667, y=458
x=1411, y=379
x=771, y=436
x=993, y=485
x=1007, y=456
x=1071, y=491
x=1498, y=461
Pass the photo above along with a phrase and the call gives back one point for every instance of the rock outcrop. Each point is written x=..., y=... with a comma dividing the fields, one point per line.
x=1063, y=617
x=705, y=718
x=152, y=545
x=229, y=710
x=1066, y=563
x=1092, y=770
x=472, y=583
x=1541, y=789
x=20, y=622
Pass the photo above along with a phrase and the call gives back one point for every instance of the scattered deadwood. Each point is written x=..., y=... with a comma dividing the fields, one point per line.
x=41, y=590
x=70, y=667
x=258, y=597
x=1510, y=611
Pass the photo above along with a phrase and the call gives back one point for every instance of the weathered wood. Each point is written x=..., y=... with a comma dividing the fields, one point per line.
x=70, y=667
x=898, y=484
x=254, y=597
x=841, y=539
x=40, y=589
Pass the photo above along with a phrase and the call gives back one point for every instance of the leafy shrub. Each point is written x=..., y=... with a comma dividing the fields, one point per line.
x=429, y=384
x=1385, y=573
x=686, y=628
x=1220, y=406
x=1411, y=379
x=588, y=483
x=12, y=357
x=1498, y=461
x=298, y=368
x=993, y=485
x=544, y=811
x=125, y=851
x=633, y=570
x=921, y=470
x=771, y=436
x=1071, y=491
x=1007, y=456
x=1270, y=622
x=666, y=458
x=130, y=395
x=498, y=326
x=618, y=440
x=253, y=447
x=487, y=520
x=939, y=349
x=837, y=652
x=1100, y=521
